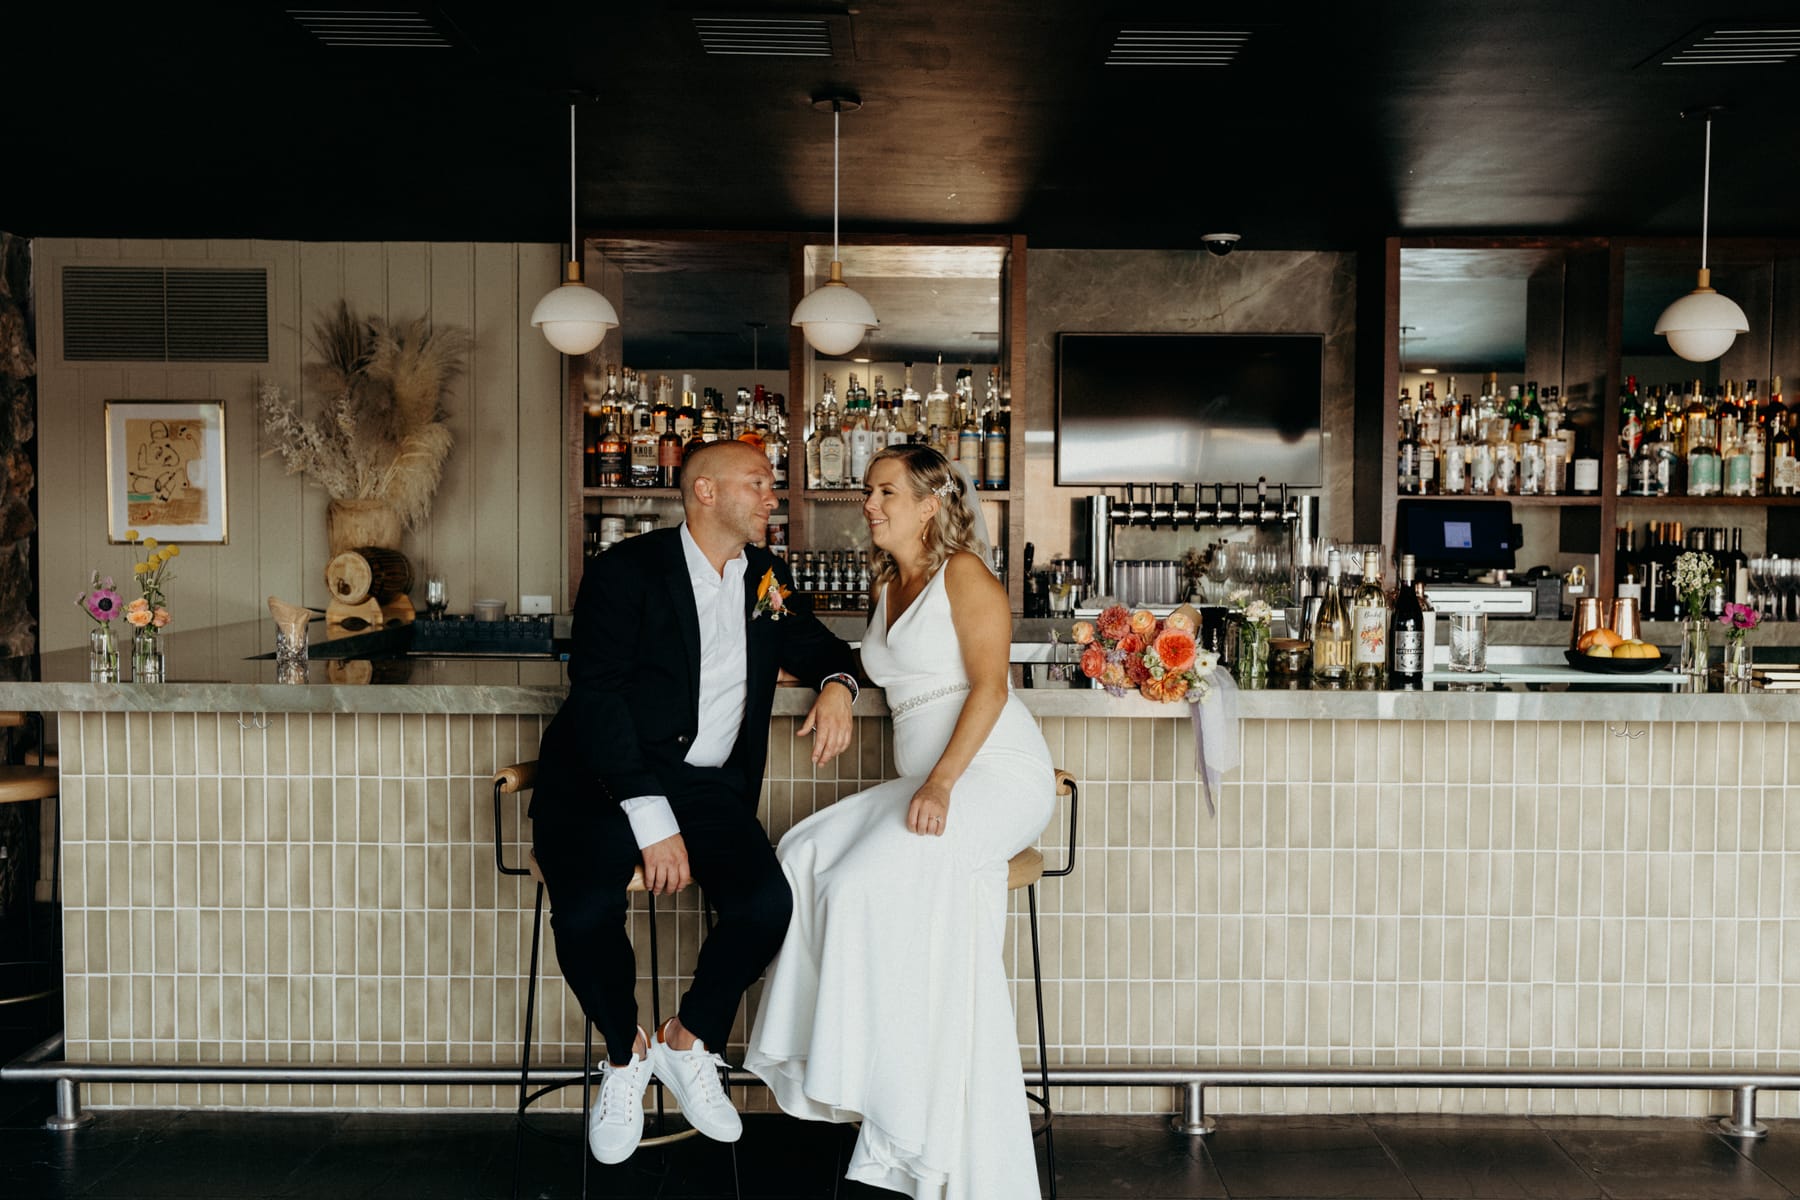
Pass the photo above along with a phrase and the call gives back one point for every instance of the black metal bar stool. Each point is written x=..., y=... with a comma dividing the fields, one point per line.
x=511, y=780
x=1024, y=871
x=31, y=783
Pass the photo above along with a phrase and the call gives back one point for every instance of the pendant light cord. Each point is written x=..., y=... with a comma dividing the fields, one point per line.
x=1705, y=191
x=837, y=115
x=573, y=256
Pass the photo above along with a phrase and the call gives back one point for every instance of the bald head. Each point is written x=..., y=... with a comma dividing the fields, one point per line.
x=727, y=494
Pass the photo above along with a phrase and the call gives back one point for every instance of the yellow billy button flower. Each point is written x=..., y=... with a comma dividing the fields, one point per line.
x=139, y=568
x=131, y=535
x=173, y=551
x=149, y=543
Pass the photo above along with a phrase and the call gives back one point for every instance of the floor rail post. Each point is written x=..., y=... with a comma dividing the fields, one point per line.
x=1191, y=1118
x=1742, y=1122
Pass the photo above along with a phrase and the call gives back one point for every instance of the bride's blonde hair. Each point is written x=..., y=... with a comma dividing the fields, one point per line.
x=951, y=528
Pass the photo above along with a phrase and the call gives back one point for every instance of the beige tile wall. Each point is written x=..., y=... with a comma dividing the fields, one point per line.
x=323, y=890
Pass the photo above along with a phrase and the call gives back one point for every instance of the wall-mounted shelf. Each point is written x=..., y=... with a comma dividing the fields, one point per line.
x=1565, y=501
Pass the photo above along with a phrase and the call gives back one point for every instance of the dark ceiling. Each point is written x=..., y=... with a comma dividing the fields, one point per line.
x=1336, y=124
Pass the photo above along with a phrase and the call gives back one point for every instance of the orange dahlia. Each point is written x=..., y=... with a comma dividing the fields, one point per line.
x=1176, y=649
x=1115, y=623
x=1113, y=675
x=1131, y=643
x=1136, y=670
x=1165, y=690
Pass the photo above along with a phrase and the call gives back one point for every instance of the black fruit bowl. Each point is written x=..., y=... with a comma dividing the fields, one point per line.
x=1614, y=666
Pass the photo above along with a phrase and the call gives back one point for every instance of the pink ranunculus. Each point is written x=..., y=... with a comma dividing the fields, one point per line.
x=161, y=618
x=139, y=616
x=1176, y=649
x=1083, y=633
x=1093, y=662
x=138, y=605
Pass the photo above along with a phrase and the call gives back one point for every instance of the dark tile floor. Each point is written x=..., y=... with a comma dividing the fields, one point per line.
x=397, y=1157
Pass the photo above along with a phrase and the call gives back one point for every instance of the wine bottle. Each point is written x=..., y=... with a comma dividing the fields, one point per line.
x=1369, y=620
x=1332, y=634
x=1406, y=636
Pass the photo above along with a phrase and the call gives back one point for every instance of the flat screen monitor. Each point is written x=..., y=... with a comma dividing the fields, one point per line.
x=1476, y=535
x=1188, y=408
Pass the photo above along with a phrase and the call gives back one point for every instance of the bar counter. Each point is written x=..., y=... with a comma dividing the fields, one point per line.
x=1544, y=875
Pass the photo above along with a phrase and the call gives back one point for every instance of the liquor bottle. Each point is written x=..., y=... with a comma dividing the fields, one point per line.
x=1531, y=410
x=833, y=454
x=612, y=462
x=858, y=434
x=668, y=443
x=1406, y=637
x=1784, y=467
x=1409, y=459
x=1369, y=620
x=777, y=443
x=968, y=445
x=1704, y=464
x=713, y=425
x=1735, y=463
x=1332, y=632
x=996, y=436
x=687, y=418
x=937, y=401
x=593, y=427
x=643, y=444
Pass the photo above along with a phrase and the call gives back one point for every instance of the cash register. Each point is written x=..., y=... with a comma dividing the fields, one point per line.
x=1454, y=544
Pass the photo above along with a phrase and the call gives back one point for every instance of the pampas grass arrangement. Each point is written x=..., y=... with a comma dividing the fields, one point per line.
x=382, y=433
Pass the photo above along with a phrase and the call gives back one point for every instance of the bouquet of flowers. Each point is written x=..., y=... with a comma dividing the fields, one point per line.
x=1159, y=658
x=1695, y=576
x=151, y=572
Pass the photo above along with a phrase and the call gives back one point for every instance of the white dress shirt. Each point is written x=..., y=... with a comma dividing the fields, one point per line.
x=724, y=682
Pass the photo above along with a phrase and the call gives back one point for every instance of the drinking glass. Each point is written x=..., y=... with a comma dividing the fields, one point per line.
x=1468, y=641
x=435, y=597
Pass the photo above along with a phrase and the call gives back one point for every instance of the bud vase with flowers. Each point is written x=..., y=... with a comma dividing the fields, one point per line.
x=1253, y=641
x=1695, y=577
x=1738, y=620
x=148, y=614
x=102, y=604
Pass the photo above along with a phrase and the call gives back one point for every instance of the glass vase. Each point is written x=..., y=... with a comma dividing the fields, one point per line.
x=1737, y=658
x=146, y=655
x=103, y=654
x=1695, y=648
x=1252, y=651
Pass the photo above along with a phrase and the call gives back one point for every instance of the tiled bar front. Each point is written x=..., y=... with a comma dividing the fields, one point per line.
x=1374, y=891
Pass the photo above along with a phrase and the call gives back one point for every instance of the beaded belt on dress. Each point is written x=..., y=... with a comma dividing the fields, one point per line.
x=912, y=702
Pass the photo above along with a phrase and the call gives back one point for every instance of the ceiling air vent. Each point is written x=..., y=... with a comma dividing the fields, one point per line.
x=380, y=28
x=157, y=314
x=1176, y=47
x=1734, y=46
x=766, y=36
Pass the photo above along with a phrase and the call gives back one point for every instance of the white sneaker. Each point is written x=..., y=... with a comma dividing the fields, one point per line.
x=616, y=1123
x=693, y=1076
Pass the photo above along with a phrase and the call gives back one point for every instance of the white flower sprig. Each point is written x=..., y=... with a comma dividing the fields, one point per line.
x=1258, y=612
x=1695, y=576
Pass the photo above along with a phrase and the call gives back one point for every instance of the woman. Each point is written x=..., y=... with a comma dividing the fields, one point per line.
x=888, y=1003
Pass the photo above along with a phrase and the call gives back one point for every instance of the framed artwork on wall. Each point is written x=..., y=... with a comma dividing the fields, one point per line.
x=165, y=470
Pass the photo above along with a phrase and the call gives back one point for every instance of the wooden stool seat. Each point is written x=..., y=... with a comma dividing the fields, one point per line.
x=1024, y=868
x=20, y=784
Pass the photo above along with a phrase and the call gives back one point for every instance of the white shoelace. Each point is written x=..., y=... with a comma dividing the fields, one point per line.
x=704, y=1069
x=614, y=1105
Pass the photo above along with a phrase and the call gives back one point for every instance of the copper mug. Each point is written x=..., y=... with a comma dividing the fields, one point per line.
x=1587, y=617
x=1625, y=618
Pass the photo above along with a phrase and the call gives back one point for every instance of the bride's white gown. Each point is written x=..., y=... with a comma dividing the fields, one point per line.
x=889, y=1002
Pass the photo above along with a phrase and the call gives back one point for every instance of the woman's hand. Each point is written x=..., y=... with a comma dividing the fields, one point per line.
x=929, y=810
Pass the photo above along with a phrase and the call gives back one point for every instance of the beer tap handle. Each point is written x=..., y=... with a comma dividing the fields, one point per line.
x=1218, y=504
x=1179, y=515
x=1245, y=515
x=1264, y=514
x=1159, y=513
x=1289, y=514
x=1121, y=513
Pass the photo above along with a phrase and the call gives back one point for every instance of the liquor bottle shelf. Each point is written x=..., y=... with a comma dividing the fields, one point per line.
x=647, y=493
x=1713, y=501
x=856, y=494
x=1570, y=500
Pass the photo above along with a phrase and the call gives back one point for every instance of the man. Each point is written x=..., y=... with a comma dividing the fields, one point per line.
x=657, y=754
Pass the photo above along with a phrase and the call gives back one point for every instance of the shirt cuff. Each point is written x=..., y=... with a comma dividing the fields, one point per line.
x=847, y=680
x=652, y=820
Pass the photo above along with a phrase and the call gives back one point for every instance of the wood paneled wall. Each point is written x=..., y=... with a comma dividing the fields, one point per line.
x=496, y=528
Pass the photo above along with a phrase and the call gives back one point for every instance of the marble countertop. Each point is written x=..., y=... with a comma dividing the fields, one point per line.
x=215, y=670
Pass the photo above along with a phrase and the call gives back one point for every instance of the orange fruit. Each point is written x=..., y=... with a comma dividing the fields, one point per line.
x=1602, y=637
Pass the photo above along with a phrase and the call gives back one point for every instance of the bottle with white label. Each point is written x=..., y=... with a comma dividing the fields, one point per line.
x=1369, y=625
x=1406, y=632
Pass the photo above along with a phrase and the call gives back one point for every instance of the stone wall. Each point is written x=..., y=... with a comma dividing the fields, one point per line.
x=18, y=454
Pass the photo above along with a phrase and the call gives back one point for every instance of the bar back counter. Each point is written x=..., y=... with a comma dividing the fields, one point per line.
x=1538, y=879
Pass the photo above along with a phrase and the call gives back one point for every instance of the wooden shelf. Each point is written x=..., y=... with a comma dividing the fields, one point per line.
x=844, y=494
x=642, y=493
x=1566, y=501
x=1711, y=501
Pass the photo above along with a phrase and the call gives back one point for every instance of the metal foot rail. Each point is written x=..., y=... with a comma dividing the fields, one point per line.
x=36, y=1066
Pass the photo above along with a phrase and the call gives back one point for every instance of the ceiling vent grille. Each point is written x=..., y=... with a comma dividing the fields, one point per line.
x=156, y=314
x=378, y=29
x=1735, y=46
x=1176, y=47
x=765, y=37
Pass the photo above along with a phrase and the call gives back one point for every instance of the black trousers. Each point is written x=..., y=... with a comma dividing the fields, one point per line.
x=587, y=854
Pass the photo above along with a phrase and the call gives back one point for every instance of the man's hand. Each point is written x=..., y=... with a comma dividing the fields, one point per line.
x=829, y=723
x=666, y=866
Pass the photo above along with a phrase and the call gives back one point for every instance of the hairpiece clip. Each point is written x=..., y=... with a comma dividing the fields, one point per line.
x=946, y=489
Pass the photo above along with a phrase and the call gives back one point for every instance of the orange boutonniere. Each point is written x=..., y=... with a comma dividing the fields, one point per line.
x=771, y=598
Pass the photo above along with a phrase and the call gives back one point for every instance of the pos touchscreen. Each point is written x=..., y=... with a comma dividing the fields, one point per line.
x=1459, y=536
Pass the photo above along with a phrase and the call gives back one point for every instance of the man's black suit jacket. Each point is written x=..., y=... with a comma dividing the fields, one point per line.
x=634, y=677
